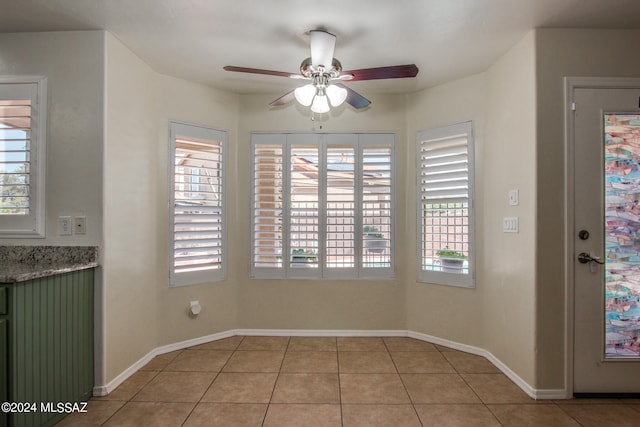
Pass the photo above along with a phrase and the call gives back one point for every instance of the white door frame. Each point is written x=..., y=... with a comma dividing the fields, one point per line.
x=570, y=85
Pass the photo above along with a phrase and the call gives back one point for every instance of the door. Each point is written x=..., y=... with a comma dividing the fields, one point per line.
x=606, y=184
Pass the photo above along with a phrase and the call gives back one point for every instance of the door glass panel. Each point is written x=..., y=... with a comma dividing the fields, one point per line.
x=622, y=235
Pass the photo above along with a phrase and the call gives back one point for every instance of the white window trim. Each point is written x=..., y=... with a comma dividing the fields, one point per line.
x=31, y=226
x=357, y=273
x=210, y=275
x=438, y=277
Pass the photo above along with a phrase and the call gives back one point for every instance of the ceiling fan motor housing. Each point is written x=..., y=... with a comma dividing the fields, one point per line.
x=308, y=70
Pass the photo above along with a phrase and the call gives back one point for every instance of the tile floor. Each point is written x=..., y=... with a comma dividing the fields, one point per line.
x=329, y=381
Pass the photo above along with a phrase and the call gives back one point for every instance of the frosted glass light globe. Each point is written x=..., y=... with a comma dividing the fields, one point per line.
x=304, y=94
x=320, y=104
x=336, y=94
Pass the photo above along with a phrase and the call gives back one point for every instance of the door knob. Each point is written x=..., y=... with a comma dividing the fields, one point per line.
x=584, y=258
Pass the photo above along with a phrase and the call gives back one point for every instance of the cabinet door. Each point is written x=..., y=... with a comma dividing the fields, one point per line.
x=4, y=368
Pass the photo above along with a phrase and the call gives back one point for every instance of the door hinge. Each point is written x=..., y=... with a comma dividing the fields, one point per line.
x=573, y=106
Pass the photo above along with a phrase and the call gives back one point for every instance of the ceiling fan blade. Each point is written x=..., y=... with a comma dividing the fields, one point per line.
x=259, y=71
x=284, y=99
x=354, y=98
x=393, y=72
x=323, y=45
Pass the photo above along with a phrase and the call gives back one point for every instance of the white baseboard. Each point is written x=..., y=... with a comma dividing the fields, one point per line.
x=103, y=390
x=533, y=393
x=320, y=333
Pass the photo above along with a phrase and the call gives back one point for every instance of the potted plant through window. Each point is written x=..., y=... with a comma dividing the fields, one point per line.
x=451, y=261
x=374, y=241
x=303, y=258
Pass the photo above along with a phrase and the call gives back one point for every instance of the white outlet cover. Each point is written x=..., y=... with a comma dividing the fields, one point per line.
x=80, y=225
x=510, y=224
x=64, y=226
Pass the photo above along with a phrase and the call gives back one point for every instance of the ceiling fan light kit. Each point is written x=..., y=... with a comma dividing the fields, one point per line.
x=322, y=69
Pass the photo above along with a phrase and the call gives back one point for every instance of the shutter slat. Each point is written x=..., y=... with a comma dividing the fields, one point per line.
x=449, y=160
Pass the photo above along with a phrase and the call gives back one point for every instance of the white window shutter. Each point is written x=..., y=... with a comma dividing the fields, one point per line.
x=445, y=165
x=22, y=157
x=311, y=193
x=197, y=201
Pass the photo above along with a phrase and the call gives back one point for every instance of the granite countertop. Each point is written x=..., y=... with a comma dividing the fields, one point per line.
x=21, y=263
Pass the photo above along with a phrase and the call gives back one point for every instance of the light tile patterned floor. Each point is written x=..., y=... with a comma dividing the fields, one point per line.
x=329, y=381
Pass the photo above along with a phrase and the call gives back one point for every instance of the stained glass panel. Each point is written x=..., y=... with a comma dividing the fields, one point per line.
x=622, y=235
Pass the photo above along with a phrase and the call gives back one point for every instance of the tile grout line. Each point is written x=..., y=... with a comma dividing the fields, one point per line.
x=211, y=384
x=130, y=399
x=413, y=405
x=339, y=382
x=275, y=383
x=567, y=414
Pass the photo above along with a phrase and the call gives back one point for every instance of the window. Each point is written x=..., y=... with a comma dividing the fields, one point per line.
x=445, y=191
x=322, y=206
x=22, y=161
x=197, y=205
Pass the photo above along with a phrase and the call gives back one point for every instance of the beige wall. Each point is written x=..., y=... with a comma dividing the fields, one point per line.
x=442, y=311
x=508, y=260
x=74, y=67
x=131, y=218
x=197, y=104
x=141, y=311
x=561, y=53
x=498, y=315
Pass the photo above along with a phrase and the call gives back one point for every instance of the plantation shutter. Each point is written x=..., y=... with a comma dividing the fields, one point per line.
x=377, y=205
x=340, y=205
x=15, y=144
x=267, y=212
x=197, y=199
x=445, y=171
x=21, y=159
x=445, y=186
x=312, y=194
x=305, y=168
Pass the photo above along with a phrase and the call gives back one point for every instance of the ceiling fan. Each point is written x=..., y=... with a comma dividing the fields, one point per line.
x=325, y=75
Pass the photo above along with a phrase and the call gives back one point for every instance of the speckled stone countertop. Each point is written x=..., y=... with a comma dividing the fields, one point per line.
x=20, y=263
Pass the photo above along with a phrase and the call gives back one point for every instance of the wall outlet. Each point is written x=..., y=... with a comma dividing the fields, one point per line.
x=64, y=226
x=80, y=225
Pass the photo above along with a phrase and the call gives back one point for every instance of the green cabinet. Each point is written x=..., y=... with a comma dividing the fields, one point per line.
x=4, y=370
x=46, y=348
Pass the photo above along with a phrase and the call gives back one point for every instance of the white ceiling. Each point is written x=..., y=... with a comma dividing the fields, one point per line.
x=194, y=39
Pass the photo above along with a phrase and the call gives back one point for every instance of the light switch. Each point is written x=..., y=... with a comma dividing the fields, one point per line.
x=513, y=198
x=510, y=224
x=64, y=226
